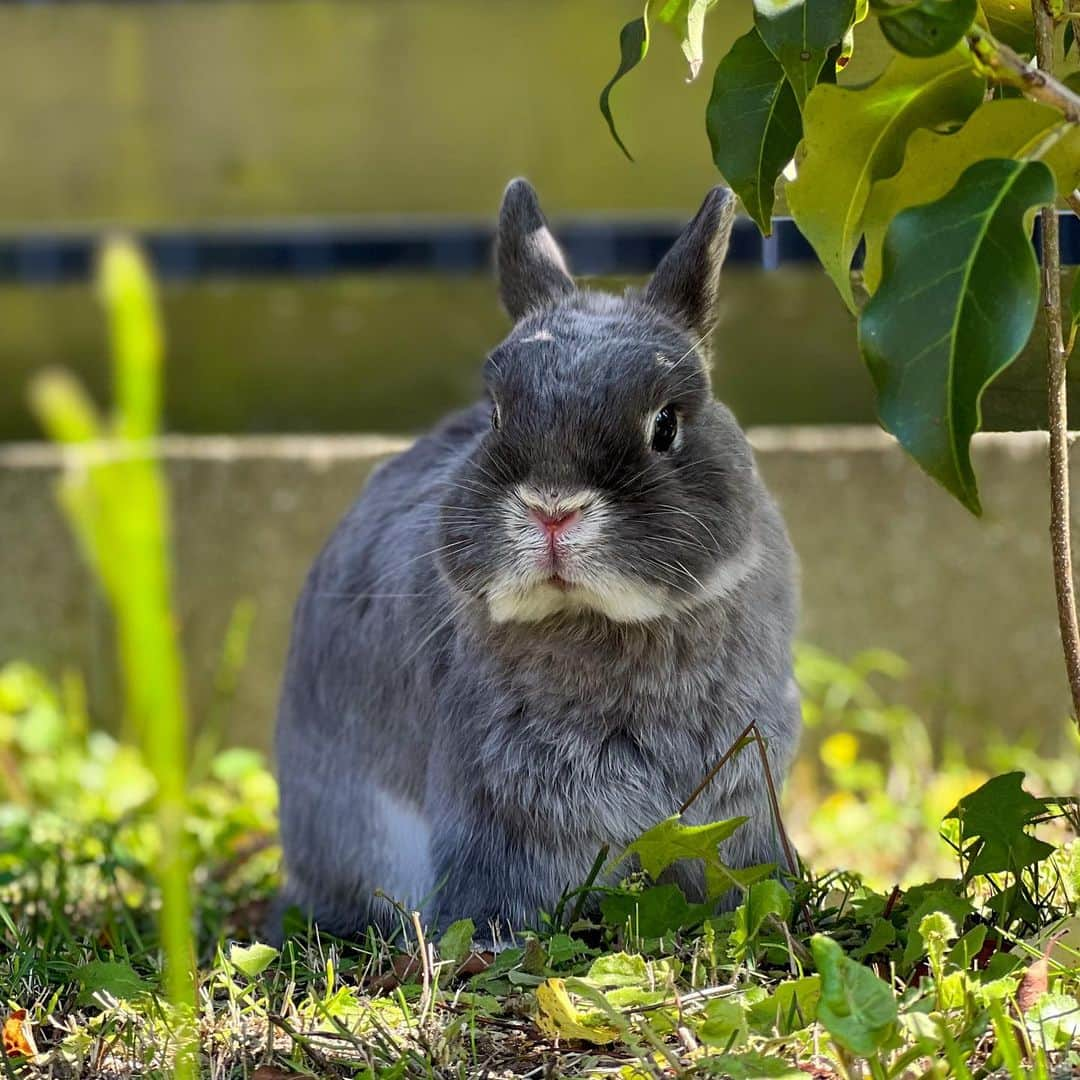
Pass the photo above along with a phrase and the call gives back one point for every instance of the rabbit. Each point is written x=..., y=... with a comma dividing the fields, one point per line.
x=538, y=627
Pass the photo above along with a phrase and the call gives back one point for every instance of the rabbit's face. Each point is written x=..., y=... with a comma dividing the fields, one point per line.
x=610, y=481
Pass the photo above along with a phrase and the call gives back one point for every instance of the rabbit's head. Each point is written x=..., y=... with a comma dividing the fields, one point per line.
x=611, y=481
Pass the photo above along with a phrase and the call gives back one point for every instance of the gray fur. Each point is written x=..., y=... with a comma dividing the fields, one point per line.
x=448, y=741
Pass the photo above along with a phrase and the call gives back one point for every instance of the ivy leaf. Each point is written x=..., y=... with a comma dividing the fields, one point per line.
x=933, y=163
x=633, y=45
x=855, y=137
x=801, y=34
x=1010, y=21
x=996, y=817
x=856, y=1008
x=924, y=27
x=252, y=960
x=956, y=305
x=753, y=124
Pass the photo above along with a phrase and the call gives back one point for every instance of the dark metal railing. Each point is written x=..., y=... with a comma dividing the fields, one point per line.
x=593, y=246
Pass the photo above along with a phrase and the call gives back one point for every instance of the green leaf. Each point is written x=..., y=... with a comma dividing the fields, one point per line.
x=765, y=898
x=652, y=912
x=962, y=955
x=633, y=45
x=117, y=978
x=724, y=1024
x=933, y=163
x=753, y=123
x=856, y=1008
x=882, y=935
x=629, y=969
x=1011, y=22
x=801, y=34
x=996, y=817
x=790, y=1007
x=957, y=303
x=924, y=27
x=751, y=1064
x=252, y=960
x=456, y=941
x=855, y=137
x=937, y=930
x=671, y=840
x=687, y=19
x=1054, y=1021
x=1074, y=303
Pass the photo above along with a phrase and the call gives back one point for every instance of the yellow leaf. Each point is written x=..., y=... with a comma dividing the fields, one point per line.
x=18, y=1038
x=557, y=1016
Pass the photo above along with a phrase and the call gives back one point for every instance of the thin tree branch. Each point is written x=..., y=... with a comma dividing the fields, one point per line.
x=1010, y=67
x=1057, y=397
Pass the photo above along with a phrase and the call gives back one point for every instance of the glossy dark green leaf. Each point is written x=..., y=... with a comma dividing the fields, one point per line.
x=801, y=34
x=997, y=817
x=956, y=304
x=924, y=27
x=856, y=1007
x=633, y=45
x=753, y=123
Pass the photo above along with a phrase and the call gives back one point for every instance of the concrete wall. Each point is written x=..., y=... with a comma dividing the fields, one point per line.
x=888, y=560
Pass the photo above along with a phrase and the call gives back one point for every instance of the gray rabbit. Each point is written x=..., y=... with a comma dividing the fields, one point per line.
x=540, y=626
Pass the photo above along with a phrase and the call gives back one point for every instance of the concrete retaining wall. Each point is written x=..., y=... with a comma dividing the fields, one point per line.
x=888, y=560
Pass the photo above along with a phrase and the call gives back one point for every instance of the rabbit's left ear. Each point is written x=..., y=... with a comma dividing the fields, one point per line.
x=532, y=270
x=686, y=284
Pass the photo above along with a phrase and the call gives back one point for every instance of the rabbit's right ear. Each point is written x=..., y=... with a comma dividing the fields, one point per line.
x=531, y=268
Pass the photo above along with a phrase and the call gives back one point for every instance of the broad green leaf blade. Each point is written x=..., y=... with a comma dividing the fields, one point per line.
x=117, y=978
x=252, y=959
x=933, y=163
x=801, y=34
x=956, y=305
x=854, y=137
x=753, y=123
x=999, y=814
x=924, y=27
x=633, y=45
x=456, y=941
x=856, y=1007
x=1010, y=21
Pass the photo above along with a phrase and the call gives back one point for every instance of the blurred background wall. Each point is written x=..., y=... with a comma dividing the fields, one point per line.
x=307, y=117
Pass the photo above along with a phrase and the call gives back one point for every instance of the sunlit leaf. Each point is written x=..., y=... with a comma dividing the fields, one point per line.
x=856, y=1007
x=18, y=1038
x=633, y=45
x=957, y=303
x=924, y=27
x=557, y=1016
x=790, y=1007
x=253, y=959
x=753, y=124
x=801, y=34
x=854, y=137
x=687, y=19
x=933, y=163
x=763, y=899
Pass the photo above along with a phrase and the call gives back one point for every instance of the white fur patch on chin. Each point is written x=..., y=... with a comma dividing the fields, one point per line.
x=618, y=598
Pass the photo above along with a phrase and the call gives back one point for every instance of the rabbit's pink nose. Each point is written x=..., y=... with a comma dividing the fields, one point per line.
x=554, y=525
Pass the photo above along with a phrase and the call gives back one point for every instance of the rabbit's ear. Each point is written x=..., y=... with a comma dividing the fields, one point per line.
x=686, y=284
x=531, y=268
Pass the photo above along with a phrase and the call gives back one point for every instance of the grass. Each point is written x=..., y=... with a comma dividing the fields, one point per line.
x=133, y=884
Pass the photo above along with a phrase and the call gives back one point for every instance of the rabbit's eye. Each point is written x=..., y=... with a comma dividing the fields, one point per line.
x=665, y=428
x=496, y=419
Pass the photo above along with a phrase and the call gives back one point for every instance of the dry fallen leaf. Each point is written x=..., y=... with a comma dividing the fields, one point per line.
x=18, y=1037
x=1036, y=979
